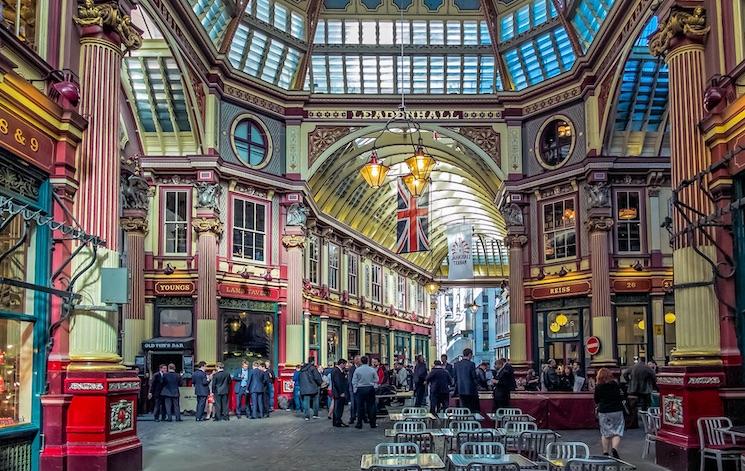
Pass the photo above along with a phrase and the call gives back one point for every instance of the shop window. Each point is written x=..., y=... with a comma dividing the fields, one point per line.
x=176, y=222
x=333, y=344
x=250, y=142
x=16, y=371
x=249, y=230
x=377, y=283
x=631, y=332
x=19, y=16
x=401, y=347
x=376, y=344
x=420, y=347
x=314, y=257
x=555, y=143
x=246, y=335
x=333, y=267
x=314, y=334
x=352, y=273
x=353, y=342
x=19, y=265
x=175, y=323
x=401, y=292
x=559, y=230
x=563, y=324
x=628, y=221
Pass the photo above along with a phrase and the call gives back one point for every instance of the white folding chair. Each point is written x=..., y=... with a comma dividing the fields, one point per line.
x=414, y=411
x=409, y=427
x=395, y=449
x=489, y=449
x=567, y=450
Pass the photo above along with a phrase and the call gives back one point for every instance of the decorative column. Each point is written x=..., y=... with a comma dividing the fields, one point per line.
x=323, y=341
x=658, y=316
x=101, y=430
x=344, y=342
x=208, y=229
x=515, y=241
x=689, y=387
x=600, y=307
x=134, y=224
x=305, y=336
x=294, y=245
x=363, y=343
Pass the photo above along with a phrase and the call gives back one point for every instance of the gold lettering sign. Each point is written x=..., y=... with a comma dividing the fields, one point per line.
x=26, y=141
x=174, y=288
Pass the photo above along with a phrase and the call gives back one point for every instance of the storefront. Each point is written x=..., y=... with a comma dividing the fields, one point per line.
x=248, y=332
x=333, y=341
x=353, y=341
x=560, y=328
x=402, y=347
x=173, y=332
x=376, y=343
x=634, y=325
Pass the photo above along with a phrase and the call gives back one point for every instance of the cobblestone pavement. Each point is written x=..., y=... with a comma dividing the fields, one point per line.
x=285, y=442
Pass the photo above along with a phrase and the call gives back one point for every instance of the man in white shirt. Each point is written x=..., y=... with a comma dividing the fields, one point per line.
x=364, y=384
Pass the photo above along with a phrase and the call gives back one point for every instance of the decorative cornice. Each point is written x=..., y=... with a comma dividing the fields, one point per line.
x=323, y=137
x=108, y=16
x=203, y=224
x=603, y=224
x=293, y=240
x=515, y=241
x=134, y=224
x=681, y=24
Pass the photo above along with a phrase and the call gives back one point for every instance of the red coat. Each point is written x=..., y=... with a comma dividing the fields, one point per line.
x=381, y=375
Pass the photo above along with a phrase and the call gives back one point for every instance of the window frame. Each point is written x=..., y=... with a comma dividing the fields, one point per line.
x=619, y=222
x=538, y=148
x=267, y=228
x=552, y=202
x=401, y=292
x=313, y=242
x=334, y=270
x=353, y=276
x=376, y=272
x=266, y=135
x=164, y=190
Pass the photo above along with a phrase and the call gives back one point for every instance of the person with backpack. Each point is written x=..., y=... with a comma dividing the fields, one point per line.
x=310, y=386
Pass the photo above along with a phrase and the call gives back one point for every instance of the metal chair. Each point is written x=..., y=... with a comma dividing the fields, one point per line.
x=514, y=429
x=490, y=449
x=593, y=464
x=475, y=436
x=462, y=425
x=533, y=442
x=502, y=411
x=651, y=425
x=516, y=418
x=398, y=448
x=715, y=443
x=409, y=426
x=567, y=450
x=654, y=411
x=414, y=411
x=462, y=411
x=396, y=467
x=493, y=467
x=424, y=440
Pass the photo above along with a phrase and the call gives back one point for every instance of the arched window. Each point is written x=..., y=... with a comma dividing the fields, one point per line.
x=250, y=142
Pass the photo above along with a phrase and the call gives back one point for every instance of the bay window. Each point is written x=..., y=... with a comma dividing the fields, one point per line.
x=249, y=230
x=176, y=224
x=559, y=230
x=628, y=221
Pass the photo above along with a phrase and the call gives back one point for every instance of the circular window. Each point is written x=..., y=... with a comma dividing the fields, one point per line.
x=250, y=141
x=555, y=142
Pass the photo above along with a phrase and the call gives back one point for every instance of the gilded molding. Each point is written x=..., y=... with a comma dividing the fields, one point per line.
x=515, y=241
x=134, y=224
x=293, y=240
x=601, y=224
x=202, y=224
x=109, y=16
x=681, y=24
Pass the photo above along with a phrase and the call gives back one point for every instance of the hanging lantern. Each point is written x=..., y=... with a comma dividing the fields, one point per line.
x=421, y=164
x=235, y=325
x=432, y=287
x=374, y=171
x=415, y=185
x=555, y=327
x=473, y=307
x=670, y=318
x=562, y=319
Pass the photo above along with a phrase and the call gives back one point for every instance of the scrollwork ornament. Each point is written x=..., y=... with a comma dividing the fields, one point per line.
x=213, y=225
x=516, y=241
x=108, y=15
x=680, y=24
x=134, y=224
x=599, y=224
x=293, y=240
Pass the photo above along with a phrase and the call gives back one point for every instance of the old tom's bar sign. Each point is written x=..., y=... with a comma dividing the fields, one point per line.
x=174, y=288
x=246, y=291
x=560, y=291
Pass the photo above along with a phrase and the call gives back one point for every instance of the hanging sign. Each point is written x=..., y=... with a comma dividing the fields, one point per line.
x=642, y=285
x=174, y=288
x=460, y=248
x=544, y=292
x=245, y=291
x=592, y=344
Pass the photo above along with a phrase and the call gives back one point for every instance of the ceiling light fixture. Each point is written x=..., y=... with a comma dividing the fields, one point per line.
x=374, y=171
x=415, y=185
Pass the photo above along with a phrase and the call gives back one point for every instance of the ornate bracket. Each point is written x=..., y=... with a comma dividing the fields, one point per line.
x=108, y=16
x=680, y=25
x=293, y=240
x=599, y=224
x=134, y=224
x=213, y=225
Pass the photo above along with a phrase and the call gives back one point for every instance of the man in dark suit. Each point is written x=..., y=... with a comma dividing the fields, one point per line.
x=353, y=409
x=420, y=376
x=449, y=368
x=340, y=389
x=256, y=387
x=171, y=382
x=156, y=386
x=504, y=383
x=221, y=389
x=465, y=381
x=439, y=388
x=201, y=383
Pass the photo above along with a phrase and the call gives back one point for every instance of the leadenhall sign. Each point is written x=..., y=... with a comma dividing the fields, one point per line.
x=241, y=291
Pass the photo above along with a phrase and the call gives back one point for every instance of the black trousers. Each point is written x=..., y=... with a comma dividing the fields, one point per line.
x=201, y=403
x=339, y=409
x=221, y=407
x=419, y=393
x=172, y=407
x=501, y=401
x=159, y=407
x=438, y=402
x=470, y=401
x=366, y=405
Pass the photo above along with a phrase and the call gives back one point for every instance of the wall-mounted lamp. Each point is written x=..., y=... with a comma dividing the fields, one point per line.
x=169, y=269
x=563, y=272
x=245, y=274
x=638, y=266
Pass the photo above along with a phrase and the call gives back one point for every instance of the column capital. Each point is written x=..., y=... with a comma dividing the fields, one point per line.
x=293, y=241
x=134, y=224
x=600, y=224
x=515, y=241
x=207, y=224
x=108, y=18
x=682, y=26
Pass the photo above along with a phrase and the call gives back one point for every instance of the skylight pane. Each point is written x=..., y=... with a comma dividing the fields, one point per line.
x=484, y=33
x=280, y=17
x=385, y=32
x=470, y=74
x=297, y=26
x=512, y=60
x=369, y=32
x=320, y=36
x=436, y=33
x=552, y=9
x=453, y=74
x=539, y=12
x=336, y=74
x=523, y=19
x=386, y=74
x=565, y=48
x=351, y=32
x=437, y=74
x=506, y=28
x=420, y=74
x=470, y=33
x=272, y=61
x=263, y=11
x=403, y=74
x=238, y=46
x=334, y=32
x=370, y=74
x=403, y=32
x=289, y=68
x=419, y=32
x=454, y=38
x=255, y=54
x=354, y=74
x=548, y=55
x=320, y=76
x=532, y=65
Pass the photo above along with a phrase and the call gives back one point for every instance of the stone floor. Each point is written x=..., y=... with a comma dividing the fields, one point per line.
x=286, y=443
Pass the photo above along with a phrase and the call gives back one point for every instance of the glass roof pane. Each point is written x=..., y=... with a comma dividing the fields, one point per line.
x=320, y=36
x=385, y=32
x=470, y=74
x=437, y=74
x=484, y=33
x=297, y=26
x=470, y=33
x=454, y=38
x=523, y=19
x=370, y=74
x=334, y=32
x=454, y=71
x=351, y=32
x=369, y=32
x=420, y=74
x=336, y=74
x=587, y=19
x=386, y=74
x=263, y=10
x=280, y=17
x=419, y=31
x=436, y=32
x=404, y=74
x=354, y=71
x=506, y=28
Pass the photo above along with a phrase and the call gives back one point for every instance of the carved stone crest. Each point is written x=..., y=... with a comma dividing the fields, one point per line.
x=297, y=214
x=513, y=215
x=108, y=15
x=208, y=196
x=597, y=195
x=135, y=192
x=680, y=24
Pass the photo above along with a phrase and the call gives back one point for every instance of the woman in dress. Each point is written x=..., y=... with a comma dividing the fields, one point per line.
x=608, y=400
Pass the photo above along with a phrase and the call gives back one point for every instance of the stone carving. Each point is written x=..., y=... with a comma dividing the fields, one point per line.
x=293, y=240
x=598, y=195
x=213, y=225
x=297, y=214
x=599, y=224
x=513, y=215
x=681, y=23
x=323, y=137
x=208, y=196
x=133, y=224
x=486, y=138
x=108, y=15
x=135, y=191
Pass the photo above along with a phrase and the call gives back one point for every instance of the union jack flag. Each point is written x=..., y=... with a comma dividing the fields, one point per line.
x=412, y=221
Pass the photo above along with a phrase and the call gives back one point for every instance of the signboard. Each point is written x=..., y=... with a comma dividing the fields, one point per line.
x=165, y=343
x=246, y=291
x=592, y=345
x=636, y=285
x=174, y=288
x=188, y=366
x=460, y=256
x=561, y=291
x=25, y=140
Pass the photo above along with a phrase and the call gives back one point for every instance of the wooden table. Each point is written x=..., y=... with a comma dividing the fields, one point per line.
x=397, y=416
x=464, y=460
x=560, y=464
x=424, y=460
x=472, y=416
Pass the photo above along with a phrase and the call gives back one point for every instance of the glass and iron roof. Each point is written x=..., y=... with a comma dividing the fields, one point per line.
x=355, y=46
